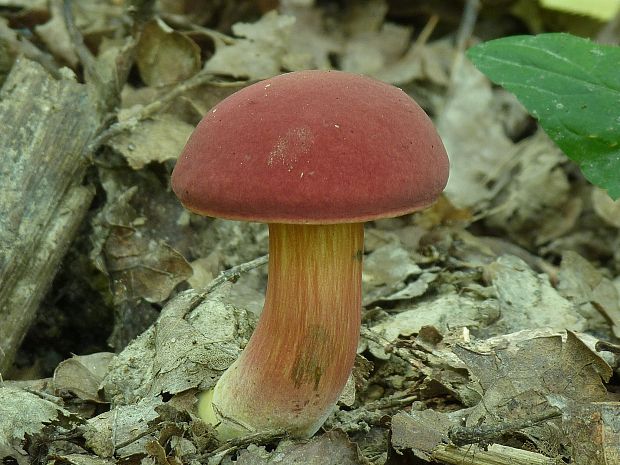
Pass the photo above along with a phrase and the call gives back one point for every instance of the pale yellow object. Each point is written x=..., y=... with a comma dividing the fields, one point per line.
x=603, y=10
x=205, y=407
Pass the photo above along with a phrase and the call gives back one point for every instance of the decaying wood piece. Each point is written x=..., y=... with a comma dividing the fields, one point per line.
x=495, y=454
x=46, y=124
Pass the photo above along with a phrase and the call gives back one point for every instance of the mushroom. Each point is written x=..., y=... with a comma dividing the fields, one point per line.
x=314, y=154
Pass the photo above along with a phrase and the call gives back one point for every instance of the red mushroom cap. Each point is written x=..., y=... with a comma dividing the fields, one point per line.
x=314, y=147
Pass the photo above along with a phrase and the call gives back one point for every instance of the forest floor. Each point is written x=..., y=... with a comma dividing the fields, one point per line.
x=490, y=321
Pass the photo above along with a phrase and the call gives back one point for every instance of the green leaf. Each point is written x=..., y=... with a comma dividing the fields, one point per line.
x=572, y=86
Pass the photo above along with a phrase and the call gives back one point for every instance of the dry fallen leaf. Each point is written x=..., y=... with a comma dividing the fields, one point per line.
x=605, y=207
x=155, y=140
x=94, y=18
x=595, y=295
x=181, y=351
x=165, y=56
x=312, y=43
x=55, y=35
x=124, y=424
x=444, y=312
x=535, y=205
x=82, y=375
x=142, y=267
x=372, y=45
x=527, y=299
x=127, y=250
x=257, y=53
x=479, y=150
x=421, y=431
x=385, y=271
x=593, y=429
x=425, y=271
x=22, y=415
x=515, y=373
x=331, y=448
x=426, y=435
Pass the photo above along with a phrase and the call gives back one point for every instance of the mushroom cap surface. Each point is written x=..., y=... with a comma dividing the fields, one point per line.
x=314, y=147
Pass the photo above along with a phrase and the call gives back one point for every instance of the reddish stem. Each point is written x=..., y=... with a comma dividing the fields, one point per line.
x=299, y=358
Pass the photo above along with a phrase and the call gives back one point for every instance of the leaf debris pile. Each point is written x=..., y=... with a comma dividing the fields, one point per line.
x=491, y=321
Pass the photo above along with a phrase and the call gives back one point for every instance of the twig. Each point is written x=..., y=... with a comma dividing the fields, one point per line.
x=468, y=22
x=426, y=32
x=204, y=77
x=109, y=92
x=140, y=11
x=233, y=445
x=603, y=346
x=19, y=45
x=109, y=85
x=150, y=430
x=464, y=33
x=396, y=400
x=372, y=413
x=45, y=396
x=386, y=345
x=463, y=435
x=86, y=58
x=184, y=23
x=232, y=274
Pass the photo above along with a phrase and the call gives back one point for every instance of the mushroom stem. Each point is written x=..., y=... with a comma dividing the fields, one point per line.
x=298, y=360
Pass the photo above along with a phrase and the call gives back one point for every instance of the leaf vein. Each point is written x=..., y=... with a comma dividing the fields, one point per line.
x=563, y=59
x=556, y=73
